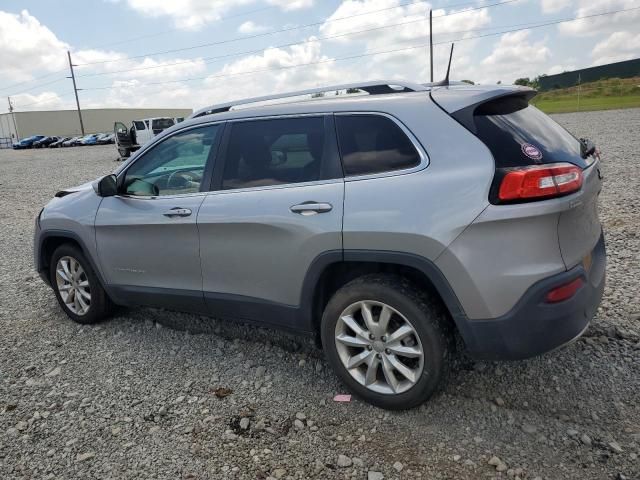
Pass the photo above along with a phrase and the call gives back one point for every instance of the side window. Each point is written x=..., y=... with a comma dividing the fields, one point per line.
x=174, y=166
x=139, y=125
x=277, y=151
x=373, y=144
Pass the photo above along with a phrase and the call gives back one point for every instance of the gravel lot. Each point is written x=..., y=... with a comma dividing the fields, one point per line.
x=132, y=399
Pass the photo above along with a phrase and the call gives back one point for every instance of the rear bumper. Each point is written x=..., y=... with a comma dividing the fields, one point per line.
x=533, y=326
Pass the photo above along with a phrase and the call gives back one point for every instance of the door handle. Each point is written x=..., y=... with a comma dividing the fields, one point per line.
x=311, y=208
x=177, y=212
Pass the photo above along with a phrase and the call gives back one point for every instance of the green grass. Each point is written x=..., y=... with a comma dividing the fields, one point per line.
x=614, y=93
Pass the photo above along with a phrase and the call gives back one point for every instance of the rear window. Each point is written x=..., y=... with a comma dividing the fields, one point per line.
x=162, y=123
x=373, y=144
x=518, y=134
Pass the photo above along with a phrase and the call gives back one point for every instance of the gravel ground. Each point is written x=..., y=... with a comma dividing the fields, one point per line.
x=132, y=399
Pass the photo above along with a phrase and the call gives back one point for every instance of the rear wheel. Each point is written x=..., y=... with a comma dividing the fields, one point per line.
x=77, y=287
x=387, y=341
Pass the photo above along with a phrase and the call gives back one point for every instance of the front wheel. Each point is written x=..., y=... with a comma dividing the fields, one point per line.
x=387, y=341
x=77, y=287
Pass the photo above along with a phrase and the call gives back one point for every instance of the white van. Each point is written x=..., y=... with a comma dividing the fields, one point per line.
x=141, y=131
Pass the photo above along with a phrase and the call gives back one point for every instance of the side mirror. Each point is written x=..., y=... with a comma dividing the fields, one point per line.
x=107, y=186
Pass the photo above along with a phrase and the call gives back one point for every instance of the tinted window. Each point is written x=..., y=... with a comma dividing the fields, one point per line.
x=509, y=126
x=372, y=144
x=139, y=125
x=274, y=152
x=162, y=123
x=174, y=166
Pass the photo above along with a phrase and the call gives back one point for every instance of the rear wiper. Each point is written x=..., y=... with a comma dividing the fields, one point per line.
x=588, y=148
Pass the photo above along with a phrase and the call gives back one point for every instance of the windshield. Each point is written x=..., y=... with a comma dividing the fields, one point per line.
x=161, y=123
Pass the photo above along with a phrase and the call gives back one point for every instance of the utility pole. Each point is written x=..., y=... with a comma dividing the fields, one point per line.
x=75, y=90
x=13, y=117
x=431, y=41
x=579, y=86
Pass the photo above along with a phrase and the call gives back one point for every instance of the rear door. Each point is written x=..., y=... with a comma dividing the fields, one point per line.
x=147, y=236
x=277, y=207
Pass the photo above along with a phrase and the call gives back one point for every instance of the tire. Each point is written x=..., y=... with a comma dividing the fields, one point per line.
x=124, y=152
x=99, y=305
x=410, y=308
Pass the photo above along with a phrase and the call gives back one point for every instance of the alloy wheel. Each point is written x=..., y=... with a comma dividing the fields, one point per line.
x=73, y=285
x=379, y=347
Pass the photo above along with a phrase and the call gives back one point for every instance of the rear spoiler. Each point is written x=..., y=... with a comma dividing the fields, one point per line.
x=462, y=102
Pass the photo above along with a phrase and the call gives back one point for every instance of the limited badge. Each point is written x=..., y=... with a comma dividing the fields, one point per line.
x=531, y=151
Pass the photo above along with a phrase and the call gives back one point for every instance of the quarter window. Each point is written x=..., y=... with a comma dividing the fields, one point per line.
x=174, y=166
x=373, y=144
x=277, y=151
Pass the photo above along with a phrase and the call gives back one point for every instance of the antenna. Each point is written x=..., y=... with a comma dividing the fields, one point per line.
x=431, y=42
x=445, y=82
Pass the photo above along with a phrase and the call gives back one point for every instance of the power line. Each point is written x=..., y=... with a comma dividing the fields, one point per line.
x=327, y=20
x=157, y=34
x=209, y=60
x=288, y=29
x=250, y=52
x=352, y=57
x=29, y=81
x=37, y=86
x=42, y=101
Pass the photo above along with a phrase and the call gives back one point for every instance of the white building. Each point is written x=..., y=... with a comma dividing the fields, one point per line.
x=66, y=123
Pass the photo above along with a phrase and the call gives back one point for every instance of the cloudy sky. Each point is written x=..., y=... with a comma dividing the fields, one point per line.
x=192, y=53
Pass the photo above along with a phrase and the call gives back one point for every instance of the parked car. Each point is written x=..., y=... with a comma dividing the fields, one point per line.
x=90, y=139
x=59, y=142
x=385, y=225
x=27, y=142
x=44, y=142
x=130, y=139
x=72, y=142
x=105, y=138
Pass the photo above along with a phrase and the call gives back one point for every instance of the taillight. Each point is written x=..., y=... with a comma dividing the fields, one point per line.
x=564, y=292
x=540, y=182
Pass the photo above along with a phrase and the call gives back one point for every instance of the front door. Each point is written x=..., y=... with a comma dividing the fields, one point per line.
x=123, y=137
x=277, y=207
x=147, y=237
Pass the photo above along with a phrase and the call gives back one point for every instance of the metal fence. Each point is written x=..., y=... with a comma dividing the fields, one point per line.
x=626, y=69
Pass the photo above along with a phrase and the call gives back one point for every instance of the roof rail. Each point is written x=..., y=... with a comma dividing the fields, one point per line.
x=376, y=87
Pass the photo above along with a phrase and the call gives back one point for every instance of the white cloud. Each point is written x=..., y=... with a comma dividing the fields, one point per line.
x=27, y=46
x=42, y=101
x=604, y=23
x=194, y=14
x=552, y=6
x=405, y=24
x=187, y=14
x=513, y=56
x=616, y=47
x=399, y=27
x=249, y=27
x=285, y=73
x=560, y=68
x=291, y=4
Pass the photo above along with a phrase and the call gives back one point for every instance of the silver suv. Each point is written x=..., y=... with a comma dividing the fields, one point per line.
x=386, y=222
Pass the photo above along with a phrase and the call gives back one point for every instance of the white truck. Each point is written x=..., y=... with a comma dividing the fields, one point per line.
x=130, y=139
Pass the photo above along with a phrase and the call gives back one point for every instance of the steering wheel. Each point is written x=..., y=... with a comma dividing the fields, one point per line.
x=183, y=175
